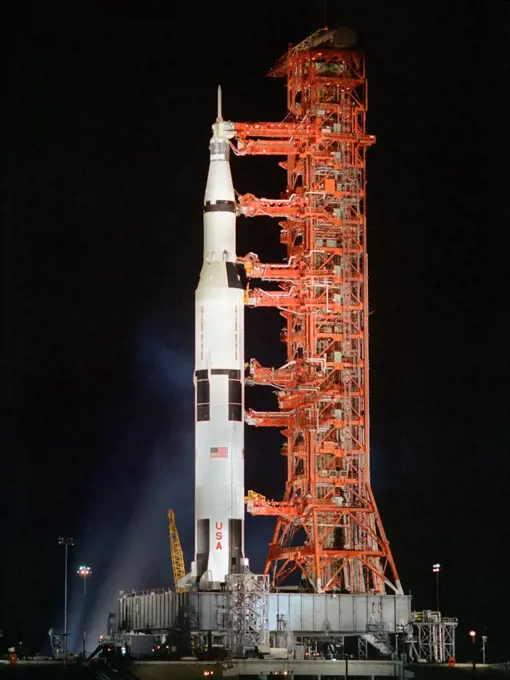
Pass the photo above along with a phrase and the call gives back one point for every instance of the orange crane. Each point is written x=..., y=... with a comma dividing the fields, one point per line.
x=176, y=554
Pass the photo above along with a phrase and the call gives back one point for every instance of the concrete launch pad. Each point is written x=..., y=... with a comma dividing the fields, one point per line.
x=179, y=670
x=253, y=668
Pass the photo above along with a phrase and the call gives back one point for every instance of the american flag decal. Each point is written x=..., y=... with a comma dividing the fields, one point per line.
x=219, y=452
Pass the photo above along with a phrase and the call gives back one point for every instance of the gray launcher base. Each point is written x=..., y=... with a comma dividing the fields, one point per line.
x=304, y=613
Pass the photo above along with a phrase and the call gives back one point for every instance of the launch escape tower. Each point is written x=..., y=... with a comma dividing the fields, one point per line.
x=328, y=525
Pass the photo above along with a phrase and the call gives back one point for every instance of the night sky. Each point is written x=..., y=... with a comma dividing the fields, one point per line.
x=107, y=122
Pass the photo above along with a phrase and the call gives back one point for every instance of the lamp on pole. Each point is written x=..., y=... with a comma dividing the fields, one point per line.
x=436, y=568
x=66, y=542
x=84, y=572
x=472, y=635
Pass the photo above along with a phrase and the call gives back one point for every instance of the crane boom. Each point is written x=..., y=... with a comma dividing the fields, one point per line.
x=313, y=40
x=176, y=552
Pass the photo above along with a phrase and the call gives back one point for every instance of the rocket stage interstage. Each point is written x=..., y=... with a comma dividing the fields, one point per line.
x=302, y=613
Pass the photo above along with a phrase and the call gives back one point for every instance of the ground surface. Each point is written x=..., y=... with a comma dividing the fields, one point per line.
x=183, y=671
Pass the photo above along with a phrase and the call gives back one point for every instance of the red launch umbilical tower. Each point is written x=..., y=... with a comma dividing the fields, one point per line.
x=328, y=525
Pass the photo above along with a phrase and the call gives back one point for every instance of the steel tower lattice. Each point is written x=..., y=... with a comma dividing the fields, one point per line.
x=328, y=525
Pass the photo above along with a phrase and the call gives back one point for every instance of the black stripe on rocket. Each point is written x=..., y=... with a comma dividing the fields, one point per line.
x=233, y=278
x=203, y=396
x=220, y=206
x=235, y=394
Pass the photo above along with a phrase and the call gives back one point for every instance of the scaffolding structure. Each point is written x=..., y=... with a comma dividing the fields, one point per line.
x=433, y=638
x=328, y=526
x=247, y=611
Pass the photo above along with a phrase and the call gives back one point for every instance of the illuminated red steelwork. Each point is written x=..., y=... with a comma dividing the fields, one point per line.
x=328, y=525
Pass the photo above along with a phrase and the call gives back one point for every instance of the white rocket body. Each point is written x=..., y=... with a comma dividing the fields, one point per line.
x=219, y=381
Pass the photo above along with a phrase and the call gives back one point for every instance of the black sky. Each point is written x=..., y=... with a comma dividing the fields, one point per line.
x=108, y=113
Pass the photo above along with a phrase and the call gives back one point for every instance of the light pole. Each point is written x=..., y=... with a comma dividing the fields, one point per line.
x=484, y=641
x=436, y=568
x=472, y=635
x=84, y=572
x=346, y=659
x=66, y=542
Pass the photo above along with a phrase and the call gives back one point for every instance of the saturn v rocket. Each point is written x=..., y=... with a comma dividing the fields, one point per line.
x=219, y=380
